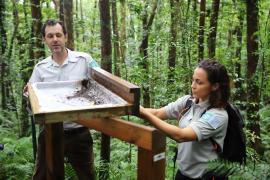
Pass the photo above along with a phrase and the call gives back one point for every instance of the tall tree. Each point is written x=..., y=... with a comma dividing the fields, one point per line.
x=22, y=41
x=201, y=30
x=173, y=39
x=105, y=30
x=122, y=36
x=3, y=63
x=82, y=21
x=116, y=41
x=77, y=19
x=61, y=10
x=56, y=6
x=238, y=33
x=253, y=97
x=36, y=52
x=7, y=98
x=146, y=23
x=213, y=29
x=68, y=19
x=106, y=63
x=10, y=99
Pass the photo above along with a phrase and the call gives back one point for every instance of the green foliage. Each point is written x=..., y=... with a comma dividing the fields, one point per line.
x=257, y=167
x=265, y=128
x=240, y=172
x=70, y=173
x=17, y=158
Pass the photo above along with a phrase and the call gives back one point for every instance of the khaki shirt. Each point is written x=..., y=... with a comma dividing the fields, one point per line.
x=77, y=66
x=193, y=156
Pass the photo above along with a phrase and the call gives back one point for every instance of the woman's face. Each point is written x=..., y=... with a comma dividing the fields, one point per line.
x=200, y=86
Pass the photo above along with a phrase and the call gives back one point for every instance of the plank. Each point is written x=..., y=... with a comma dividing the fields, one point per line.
x=52, y=117
x=143, y=136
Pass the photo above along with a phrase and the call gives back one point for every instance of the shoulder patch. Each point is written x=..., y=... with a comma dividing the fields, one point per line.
x=93, y=64
x=211, y=119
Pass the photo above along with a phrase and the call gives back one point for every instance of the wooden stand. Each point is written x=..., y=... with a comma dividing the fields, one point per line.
x=151, y=142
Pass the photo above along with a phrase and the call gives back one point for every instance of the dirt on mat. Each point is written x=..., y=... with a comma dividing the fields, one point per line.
x=94, y=92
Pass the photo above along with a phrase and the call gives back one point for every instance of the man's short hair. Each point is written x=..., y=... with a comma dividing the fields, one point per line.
x=53, y=22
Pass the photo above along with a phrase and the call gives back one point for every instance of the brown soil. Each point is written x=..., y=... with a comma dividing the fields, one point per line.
x=93, y=92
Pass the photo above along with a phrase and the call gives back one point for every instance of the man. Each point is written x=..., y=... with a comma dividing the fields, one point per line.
x=63, y=65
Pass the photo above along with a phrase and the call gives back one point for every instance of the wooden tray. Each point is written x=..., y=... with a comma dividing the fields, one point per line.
x=104, y=96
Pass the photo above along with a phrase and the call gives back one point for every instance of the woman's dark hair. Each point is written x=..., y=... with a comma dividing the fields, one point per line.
x=217, y=73
x=53, y=22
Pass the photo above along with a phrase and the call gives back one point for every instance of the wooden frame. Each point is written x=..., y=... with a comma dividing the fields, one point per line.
x=151, y=142
x=151, y=146
x=129, y=92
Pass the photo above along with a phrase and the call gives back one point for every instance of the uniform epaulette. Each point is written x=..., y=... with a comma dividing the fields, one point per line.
x=83, y=55
x=44, y=61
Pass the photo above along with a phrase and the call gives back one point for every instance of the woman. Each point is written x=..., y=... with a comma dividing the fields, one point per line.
x=206, y=120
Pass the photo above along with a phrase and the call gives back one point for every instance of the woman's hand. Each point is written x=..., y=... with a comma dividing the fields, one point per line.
x=176, y=133
x=143, y=111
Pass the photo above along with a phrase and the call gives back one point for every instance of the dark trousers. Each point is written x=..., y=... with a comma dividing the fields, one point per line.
x=207, y=176
x=78, y=149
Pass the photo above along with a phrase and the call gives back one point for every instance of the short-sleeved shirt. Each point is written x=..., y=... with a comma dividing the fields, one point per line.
x=77, y=66
x=193, y=156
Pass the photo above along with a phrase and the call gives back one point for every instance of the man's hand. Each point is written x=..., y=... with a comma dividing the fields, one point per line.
x=25, y=91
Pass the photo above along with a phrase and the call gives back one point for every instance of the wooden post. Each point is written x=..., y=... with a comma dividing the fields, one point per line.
x=54, y=151
x=151, y=163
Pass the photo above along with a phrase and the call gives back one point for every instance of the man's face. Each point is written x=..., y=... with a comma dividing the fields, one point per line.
x=55, y=38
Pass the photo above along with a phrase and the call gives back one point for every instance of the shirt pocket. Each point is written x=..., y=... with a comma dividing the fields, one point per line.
x=49, y=77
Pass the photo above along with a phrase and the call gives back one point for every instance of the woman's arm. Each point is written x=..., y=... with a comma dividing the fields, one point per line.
x=155, y=116
x=160, y=113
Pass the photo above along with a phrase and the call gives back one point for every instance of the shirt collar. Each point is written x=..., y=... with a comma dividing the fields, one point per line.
x=204, y=104
x=70, y=58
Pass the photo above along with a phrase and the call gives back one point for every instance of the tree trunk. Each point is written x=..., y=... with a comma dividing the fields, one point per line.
x=82, y=22
x=253, y=96
x=77, y=19
x=147, y=23
x=61, y=11
x=9, y=85
x=22, y=39
x=105, y=30
x=106, y=64
x=68, y=17
x=213, y=29
x=240, y=94
x=36, y=51
x=201, y=31
x=173, y=40
x=116, y=46
x=123, y=35
x=3, y=42
x=56, y=6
